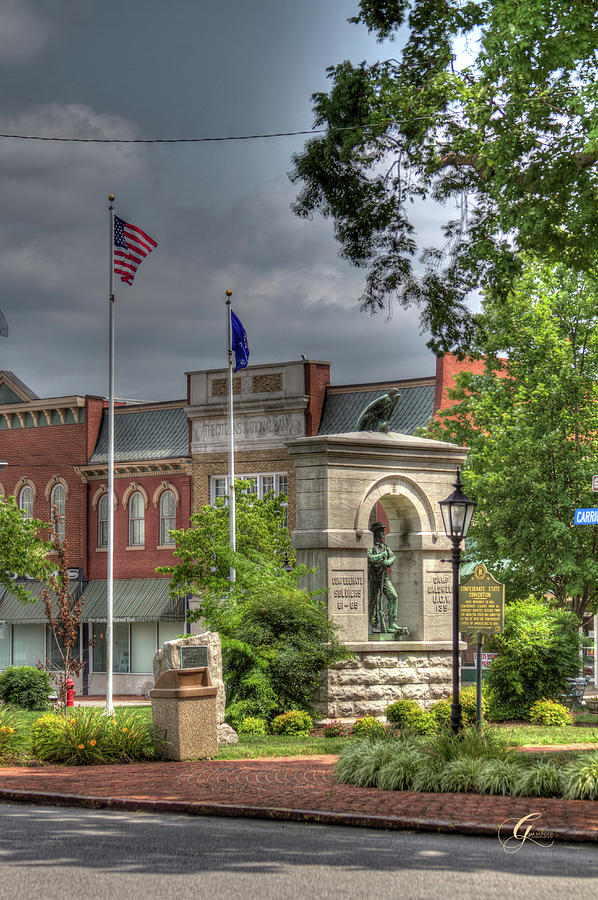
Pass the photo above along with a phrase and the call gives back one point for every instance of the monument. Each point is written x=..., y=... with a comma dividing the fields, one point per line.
x=400, y=581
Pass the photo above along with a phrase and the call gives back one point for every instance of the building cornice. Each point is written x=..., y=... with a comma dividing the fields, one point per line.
x=137, y=468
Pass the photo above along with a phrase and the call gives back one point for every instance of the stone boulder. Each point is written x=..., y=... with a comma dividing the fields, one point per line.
x=169, y=657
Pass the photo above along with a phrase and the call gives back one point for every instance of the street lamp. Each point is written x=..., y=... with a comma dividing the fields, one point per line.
x=286, y=565
x=457, y=513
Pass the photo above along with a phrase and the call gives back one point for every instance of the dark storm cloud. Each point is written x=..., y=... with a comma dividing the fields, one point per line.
x=220, y=212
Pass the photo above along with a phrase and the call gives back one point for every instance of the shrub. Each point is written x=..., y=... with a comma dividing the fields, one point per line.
x=441, y=710
x=253, y=725
x=402, y=712
x=468, y=701
x=423, y=723
x=25, y=686
x=369, y=726
x=296, y=721
x=334, y=729
x=537, y=651
x=550, y=712
x=580, y=778
x=9, y=733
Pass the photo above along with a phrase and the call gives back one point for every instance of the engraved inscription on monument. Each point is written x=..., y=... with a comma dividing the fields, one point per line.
x=346, y=591
x=439, y=592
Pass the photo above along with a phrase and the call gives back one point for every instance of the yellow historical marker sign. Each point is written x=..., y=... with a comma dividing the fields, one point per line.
x=481, y=603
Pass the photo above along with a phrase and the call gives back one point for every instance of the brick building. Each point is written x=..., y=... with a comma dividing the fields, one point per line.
x=170, y=459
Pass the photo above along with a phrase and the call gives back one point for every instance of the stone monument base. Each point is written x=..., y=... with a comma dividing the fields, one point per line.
x=382, y=672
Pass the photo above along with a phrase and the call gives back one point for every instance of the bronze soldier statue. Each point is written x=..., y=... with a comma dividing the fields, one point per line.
x=382, y=615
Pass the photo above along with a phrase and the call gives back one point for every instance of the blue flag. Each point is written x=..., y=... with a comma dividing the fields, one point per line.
x=240, y=345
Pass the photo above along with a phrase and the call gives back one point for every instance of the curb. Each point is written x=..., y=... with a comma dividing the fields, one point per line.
x=398, y=823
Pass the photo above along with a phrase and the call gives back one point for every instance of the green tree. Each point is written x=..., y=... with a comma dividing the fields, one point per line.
x=276, y=637
x=491, y=102
x=22, y=552
x=531, y=425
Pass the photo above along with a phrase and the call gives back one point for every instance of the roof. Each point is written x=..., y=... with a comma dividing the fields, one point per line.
x=15, y=612
x=13, y=390
x=343, y=408
x=142, y=434
x=134, y=599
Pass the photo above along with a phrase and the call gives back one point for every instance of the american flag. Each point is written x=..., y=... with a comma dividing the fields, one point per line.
x=131, y=246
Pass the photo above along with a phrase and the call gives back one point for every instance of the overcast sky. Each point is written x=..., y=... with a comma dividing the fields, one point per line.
x=219, y=211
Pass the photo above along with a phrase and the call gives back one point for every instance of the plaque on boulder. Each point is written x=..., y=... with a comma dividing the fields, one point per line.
x=193, y=657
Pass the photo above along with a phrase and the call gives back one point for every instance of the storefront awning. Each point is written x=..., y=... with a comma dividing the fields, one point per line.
x=15, y=612
x=134, y=600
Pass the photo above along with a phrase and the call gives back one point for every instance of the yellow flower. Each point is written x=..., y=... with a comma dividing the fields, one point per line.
x=3, y=728
x=124, y=729
x=81, y=747
x=11, y=731
x=92, y=743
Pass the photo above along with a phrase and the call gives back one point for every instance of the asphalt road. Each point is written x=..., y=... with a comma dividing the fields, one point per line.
x=56, y=853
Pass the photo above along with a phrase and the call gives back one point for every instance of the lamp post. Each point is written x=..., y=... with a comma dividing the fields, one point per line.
x=286, y=565
x=457, y=512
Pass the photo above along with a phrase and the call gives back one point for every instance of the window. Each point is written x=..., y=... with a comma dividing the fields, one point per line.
x=4, y=645
x=103, y=521
x=120, y=647
x=136, y=520
x=58, y=511
x=143, y=646
x=28, y=645
x=53, y=653
x=26, y=501
x=259, y=485
x=167, y=517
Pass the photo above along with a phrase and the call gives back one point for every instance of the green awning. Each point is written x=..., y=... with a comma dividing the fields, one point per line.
x=15, y=612
x=134, y=600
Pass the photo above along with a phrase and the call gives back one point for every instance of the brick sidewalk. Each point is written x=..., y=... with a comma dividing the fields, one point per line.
x=303, y=789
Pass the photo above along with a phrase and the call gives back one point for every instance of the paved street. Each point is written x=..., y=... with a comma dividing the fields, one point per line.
x=63, y=853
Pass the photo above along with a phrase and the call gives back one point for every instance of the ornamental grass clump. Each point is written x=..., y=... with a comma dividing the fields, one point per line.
x=539, y=779
x=398, y=773
x=500, y=776
x=580, y=778
x=460, y=775
x=9, y=733
x=361, y=760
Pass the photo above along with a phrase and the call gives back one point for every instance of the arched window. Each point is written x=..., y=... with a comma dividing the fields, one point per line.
x=58, y=511
x=136, y=520
x=103, y=521
x=26, y=501
x=167, y=517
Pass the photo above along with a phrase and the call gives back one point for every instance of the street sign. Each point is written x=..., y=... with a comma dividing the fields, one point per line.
x=587, y=516
x=595, y=483
x=481, y=603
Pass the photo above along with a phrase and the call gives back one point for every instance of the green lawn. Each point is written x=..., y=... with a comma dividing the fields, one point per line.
x=256, y=746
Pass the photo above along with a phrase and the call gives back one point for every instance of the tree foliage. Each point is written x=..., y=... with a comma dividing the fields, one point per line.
x=276, y=637
x=22, y=552
x=492, y=103
x=531, y=425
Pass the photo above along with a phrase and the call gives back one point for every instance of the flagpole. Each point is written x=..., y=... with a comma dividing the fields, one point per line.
x=231, y=438
x=110, y=568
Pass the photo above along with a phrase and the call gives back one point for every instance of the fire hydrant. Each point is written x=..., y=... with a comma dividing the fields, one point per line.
x=70, y=692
